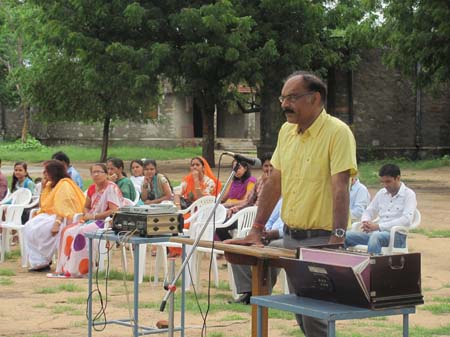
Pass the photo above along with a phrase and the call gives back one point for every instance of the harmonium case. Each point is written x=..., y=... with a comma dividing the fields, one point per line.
x=370, y=281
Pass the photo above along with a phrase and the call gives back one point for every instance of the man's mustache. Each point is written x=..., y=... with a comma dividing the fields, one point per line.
x=288, y=111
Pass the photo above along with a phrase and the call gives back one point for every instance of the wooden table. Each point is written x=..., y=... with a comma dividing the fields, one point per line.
x=260, y=258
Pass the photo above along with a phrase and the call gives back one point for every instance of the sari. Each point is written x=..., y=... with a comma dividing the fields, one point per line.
x=209, y=185
x=73, y=258
x=155, y=190
x=64, y=200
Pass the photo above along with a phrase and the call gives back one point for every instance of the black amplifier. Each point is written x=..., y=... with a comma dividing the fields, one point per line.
x=148, y=224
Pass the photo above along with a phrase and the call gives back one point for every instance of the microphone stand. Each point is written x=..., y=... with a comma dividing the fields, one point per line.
x=171, y=287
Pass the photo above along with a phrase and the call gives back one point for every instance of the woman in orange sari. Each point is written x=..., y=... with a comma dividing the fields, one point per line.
x=200, y=182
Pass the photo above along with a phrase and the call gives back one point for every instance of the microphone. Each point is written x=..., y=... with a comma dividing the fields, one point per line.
x=252, y=161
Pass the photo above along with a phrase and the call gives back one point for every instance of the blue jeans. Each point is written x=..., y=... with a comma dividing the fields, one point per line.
x=374, y=240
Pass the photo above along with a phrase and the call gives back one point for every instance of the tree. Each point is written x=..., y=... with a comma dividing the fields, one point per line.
x=96, y=61
x=209, y=53
x=418, y=32
x=298, y=35
x=14, y=41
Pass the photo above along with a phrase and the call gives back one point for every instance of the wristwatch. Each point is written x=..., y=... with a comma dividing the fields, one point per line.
x=339, y=232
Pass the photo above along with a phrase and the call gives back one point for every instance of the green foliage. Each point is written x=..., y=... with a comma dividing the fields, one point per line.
x=31, y=144
x=418, y=32
x=95, y=61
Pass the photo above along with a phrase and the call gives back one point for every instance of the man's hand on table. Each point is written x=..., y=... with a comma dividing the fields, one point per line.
x=252, y=239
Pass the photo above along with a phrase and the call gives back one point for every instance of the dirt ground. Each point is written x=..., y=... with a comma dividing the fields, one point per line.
x=32, y=305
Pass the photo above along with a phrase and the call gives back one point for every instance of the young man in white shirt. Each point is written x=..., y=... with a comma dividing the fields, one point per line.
x=394, y=204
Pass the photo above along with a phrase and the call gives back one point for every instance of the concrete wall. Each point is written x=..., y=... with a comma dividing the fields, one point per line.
x=384, y=112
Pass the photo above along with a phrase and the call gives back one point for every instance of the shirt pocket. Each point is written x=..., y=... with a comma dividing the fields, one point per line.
x=315, y=170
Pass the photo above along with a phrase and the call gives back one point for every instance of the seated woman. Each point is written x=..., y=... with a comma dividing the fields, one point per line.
x=60, y=198
x=117, y=174
x=239, y=189
x=200, y=182
x=103, y=198
x=137, y=173
x=156, y=187
x=250, y=198
x=21, y=178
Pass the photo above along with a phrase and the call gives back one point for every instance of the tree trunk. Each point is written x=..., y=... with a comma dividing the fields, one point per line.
x=26, y=111
x=207, y=109
x=271, y=118
x=105, y=138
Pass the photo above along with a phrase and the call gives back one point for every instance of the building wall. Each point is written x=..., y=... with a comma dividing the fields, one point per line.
x=384, y=112
x=173, y=127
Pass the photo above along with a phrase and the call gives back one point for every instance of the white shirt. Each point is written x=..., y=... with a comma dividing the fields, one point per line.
x=275, y=222
x=137, y=182
x=359, y=199
x=397, y=210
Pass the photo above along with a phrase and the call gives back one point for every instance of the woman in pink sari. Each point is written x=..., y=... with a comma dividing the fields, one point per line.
x=103, y=198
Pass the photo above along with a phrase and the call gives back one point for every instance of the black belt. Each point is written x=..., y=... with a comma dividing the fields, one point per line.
x=300, y=234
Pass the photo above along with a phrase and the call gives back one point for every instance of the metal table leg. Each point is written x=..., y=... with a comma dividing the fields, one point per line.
x=331, y=328
x=405, y=325
x=90, y=288
x=259, y=321
x=135, y=248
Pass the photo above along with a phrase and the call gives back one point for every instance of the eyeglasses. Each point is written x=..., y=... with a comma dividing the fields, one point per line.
x=292, y=98
x=96, y=173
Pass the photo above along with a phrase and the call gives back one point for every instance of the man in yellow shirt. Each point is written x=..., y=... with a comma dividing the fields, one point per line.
x=313, y=162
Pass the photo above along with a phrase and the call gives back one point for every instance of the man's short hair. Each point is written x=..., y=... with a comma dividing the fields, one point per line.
x=61, y=156
x=389, y=170
x=313, y=83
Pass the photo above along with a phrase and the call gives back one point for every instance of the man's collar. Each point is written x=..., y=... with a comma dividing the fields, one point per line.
x=315, y=127
x=400, y=192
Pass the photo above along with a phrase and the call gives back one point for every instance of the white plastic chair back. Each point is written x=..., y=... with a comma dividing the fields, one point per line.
x=197, y=204
x=245, y=218
x=22, y=196
x=200, y=218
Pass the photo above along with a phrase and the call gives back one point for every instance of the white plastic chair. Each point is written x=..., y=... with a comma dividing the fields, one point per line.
x=390, y=249
x=200, y=202
x=196, y=221
x=21, y=196
x=245, y=218
x=13, y=221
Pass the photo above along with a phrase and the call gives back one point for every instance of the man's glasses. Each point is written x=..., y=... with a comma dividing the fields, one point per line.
x=292, y=98
x=96, y=173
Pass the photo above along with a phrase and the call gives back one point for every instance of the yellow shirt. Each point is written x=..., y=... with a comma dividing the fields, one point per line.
x=307, y=161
